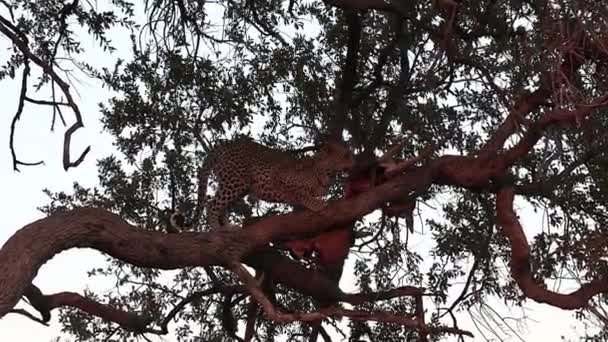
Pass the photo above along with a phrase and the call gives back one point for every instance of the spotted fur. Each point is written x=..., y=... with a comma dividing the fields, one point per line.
x=243, y=166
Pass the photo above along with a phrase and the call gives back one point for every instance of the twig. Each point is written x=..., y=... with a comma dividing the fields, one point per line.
x=45, y=102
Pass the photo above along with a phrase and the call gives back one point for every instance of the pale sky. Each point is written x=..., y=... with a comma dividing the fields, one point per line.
x=67, y=271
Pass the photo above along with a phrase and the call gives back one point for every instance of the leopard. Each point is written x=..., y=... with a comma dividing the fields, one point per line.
x=242, y=166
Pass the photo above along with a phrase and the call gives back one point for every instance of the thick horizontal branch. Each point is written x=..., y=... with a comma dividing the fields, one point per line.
x=520, y=262
x=24, y=253
x=36, y=243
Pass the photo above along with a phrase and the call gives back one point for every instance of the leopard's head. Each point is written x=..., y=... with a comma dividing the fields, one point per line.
x=336, y=156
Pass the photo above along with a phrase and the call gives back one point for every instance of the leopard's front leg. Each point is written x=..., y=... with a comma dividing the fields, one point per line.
x=298, y=190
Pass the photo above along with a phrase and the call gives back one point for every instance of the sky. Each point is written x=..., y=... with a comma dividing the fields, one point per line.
x=67, y=271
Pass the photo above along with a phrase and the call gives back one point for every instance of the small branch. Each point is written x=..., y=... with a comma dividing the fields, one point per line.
x=127, y=320
x=261, y=25
x=598, y=315
x=29, y=315
x=403, y=291
x=252, y=313
x=386, y=317
x=39, y=301
x=526, y=104
x=45, y=102
x=269, y=309
x=563, y=179
x=324, y=334
x=465, y=289
x=365, y=92
x=65, y=12
x=10, y=9
x=478, y=257
x=45, y=303
x=420, y=318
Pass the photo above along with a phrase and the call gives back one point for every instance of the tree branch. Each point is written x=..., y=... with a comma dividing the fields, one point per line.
x=17, y=116
x=548, y=119
x=344, y=90
x=520, y=262
x=14, y=35
x=106, y=232
x=572, y=60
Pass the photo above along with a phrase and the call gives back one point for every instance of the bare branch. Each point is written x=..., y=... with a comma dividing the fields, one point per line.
x=194, y=297
x=45, y=102
x=10, y=9
x=23, y=312
x=591, y=308
x=252, y=313
x=20, y=106
x=14, y=35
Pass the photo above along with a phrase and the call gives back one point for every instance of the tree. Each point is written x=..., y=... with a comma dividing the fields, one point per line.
x=480, y=101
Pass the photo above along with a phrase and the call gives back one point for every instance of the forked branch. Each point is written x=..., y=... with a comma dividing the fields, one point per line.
x=19, y=40
x=17, y=116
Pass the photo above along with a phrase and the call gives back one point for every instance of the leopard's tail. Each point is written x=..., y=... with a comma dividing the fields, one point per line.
x=203, y=179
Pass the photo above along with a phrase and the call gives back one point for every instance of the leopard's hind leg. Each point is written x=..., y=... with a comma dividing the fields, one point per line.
x=228, y=191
